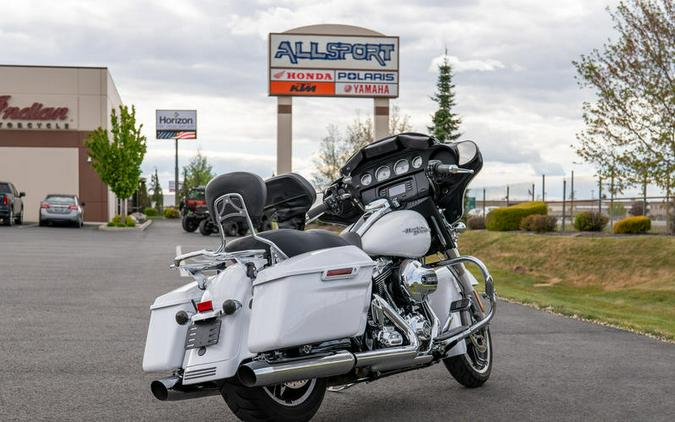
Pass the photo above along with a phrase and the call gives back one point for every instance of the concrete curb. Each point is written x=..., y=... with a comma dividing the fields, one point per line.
x=138, y=228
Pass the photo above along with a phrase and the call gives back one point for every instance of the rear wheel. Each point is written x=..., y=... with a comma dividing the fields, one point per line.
x=19, y=218
x=294, y=401
x=205, y=227
x=10, y=218
x=473, y=368
x=189, y=224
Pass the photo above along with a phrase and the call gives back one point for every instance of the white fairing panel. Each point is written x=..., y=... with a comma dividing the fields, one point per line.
x=164, y=346
x=295, y=304
x=447, y=292
x=400, y=233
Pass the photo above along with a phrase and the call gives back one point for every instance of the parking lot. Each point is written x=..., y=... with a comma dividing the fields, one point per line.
x=74, y=306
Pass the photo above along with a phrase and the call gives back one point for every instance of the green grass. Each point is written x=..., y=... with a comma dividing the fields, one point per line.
x=626, y=281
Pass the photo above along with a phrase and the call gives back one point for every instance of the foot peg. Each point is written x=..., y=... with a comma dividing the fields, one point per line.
x=460, y=305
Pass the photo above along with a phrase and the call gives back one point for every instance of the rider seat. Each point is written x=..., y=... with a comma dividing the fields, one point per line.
x=294, y=242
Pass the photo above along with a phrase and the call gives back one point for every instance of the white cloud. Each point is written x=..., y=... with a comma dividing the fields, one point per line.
x=480, y=65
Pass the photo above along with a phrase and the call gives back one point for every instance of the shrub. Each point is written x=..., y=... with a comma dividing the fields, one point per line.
x=171, y=212
x=509, y=218
x=539, y=223
x=590, y=221
x=150, y=212
x=129, y=221
x=116, y=221
x=476, y=222
x=639, y=224
x=637, y=209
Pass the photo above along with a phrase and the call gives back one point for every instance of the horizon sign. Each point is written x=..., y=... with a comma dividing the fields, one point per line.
x=333, y=65
x=176, y=124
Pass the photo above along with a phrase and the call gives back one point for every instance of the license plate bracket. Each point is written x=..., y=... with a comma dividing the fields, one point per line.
x=203, y=334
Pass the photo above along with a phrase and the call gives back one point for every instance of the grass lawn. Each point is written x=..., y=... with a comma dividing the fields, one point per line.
x=625, y=281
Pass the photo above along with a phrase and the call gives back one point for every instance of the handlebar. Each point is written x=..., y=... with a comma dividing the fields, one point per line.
x=440, y=169
x=316, y=212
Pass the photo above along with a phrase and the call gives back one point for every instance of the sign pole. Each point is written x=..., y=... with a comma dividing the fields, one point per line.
x=175, y=197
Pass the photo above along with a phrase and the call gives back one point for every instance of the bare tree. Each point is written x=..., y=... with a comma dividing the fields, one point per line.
x=630, y=125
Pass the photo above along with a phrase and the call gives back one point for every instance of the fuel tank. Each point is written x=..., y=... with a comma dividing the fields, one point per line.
x=402, y=233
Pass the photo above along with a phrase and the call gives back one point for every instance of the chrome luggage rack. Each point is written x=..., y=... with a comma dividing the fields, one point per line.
x=208, y=260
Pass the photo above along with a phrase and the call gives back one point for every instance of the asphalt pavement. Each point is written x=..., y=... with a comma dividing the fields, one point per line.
x=74, y=309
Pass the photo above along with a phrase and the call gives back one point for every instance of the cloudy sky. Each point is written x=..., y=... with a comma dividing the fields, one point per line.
x=515, y=83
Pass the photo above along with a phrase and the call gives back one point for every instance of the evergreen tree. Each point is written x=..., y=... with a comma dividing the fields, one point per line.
x=157, y=195
x=445, y=123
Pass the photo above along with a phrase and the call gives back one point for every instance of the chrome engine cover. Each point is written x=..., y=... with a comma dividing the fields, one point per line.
x=417, y=282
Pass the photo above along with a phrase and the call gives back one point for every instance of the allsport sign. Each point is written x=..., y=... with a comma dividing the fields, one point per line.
x=333, y=65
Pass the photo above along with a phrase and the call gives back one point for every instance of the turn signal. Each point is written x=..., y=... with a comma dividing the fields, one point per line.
x=44, y=205
x=205, y=306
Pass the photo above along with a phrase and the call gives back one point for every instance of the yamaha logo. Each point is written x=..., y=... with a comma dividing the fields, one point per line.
x=416, y=230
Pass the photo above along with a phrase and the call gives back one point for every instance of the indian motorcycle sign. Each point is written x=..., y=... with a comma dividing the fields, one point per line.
x=36, y=116
x=333, y=65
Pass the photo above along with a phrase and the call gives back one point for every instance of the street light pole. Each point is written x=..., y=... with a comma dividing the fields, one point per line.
x=175, y=180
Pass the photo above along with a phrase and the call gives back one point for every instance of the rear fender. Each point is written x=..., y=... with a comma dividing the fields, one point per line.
x=222, y=360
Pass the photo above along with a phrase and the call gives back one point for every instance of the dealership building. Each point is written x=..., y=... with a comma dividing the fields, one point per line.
x=46, y=114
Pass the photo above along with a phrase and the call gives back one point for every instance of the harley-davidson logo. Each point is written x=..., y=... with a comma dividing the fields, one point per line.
x=416, y=230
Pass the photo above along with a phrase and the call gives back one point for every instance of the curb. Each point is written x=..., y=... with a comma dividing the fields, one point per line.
x=138, y=228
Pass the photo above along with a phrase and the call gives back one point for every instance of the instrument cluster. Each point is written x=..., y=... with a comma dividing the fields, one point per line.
x=385, y=171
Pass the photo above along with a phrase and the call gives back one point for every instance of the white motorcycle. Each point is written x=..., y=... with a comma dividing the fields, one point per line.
x=274, y=319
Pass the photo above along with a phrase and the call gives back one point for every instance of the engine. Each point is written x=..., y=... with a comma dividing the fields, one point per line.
x=404, y=285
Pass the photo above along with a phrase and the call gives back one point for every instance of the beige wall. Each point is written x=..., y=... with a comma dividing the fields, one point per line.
x=39, y=171
x=89, y=93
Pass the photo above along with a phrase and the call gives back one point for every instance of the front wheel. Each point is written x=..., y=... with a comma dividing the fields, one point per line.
x=473, y=368
x=294, y=401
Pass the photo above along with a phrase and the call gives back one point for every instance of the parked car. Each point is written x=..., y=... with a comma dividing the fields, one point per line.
x=62, y=208
x=11, y=204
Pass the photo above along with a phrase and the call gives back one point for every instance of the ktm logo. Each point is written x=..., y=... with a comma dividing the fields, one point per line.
x=303, y=87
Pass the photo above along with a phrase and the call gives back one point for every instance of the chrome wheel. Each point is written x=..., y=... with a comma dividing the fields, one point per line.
x=292, y=393
x=478, y=350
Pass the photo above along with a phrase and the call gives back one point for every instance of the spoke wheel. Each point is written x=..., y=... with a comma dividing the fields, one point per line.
x=472, y=369
x=291, y=393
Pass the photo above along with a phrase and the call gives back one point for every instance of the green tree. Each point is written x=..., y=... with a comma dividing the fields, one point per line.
x=445, y=122
x=630, y=124
x=157, y=194
x=198, y=172
x=141, y=197
x=118, y=161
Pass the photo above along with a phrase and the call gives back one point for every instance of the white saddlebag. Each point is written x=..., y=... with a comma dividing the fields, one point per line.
x=297, y=302
x=165, y=344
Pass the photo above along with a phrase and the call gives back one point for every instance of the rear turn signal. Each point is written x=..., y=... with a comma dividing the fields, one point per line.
x=205, y=306
x=339, y=273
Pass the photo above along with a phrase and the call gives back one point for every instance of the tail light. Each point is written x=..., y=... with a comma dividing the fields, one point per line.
x=44, y=205
x=72, y=207
x=4, y=199
x=199, y=203
x=205, y=306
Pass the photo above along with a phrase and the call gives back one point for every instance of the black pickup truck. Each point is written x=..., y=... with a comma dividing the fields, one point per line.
x=11, y=204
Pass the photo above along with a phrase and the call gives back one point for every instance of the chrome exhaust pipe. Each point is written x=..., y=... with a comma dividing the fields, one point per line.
x=260, y=373
x=172, y=389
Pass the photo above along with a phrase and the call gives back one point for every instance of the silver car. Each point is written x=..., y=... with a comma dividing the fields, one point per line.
x=56, y=208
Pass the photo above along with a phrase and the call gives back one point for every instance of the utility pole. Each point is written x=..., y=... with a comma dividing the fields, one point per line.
x=507, y=195
x=600, y=194
x=563, y=204
x=611, y=199
x=175, y=197
x=483, y=202
x=543, y=187
x=572, y=196
x=532, y=192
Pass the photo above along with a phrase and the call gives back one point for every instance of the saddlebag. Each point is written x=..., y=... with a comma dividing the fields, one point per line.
x=316, y=296
x=165, y=343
